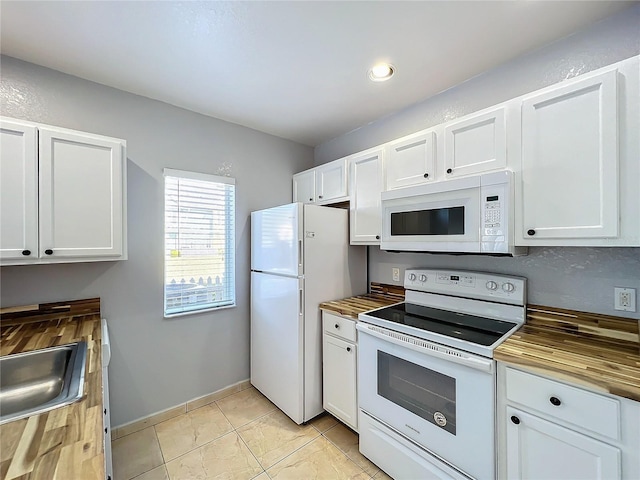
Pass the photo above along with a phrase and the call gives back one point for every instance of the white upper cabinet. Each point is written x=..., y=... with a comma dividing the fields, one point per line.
x=304, y=187
x=365, y=185
x=81, y=180
x=63, y=195
x=18, y=191
x=569, y=189
x=573, y=148
x=331, y=182
x=411, y=161
x=322, y=185
x=476, y=143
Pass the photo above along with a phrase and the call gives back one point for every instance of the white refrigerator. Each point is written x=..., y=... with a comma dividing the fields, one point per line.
x=300, y=257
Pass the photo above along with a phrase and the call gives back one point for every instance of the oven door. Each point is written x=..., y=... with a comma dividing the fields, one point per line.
x=440, y=398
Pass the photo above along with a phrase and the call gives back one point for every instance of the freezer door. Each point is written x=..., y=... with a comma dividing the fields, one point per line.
x=276, y=240
x=277, y=365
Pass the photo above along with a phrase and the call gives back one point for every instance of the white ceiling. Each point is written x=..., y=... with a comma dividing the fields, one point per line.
x=297, y=70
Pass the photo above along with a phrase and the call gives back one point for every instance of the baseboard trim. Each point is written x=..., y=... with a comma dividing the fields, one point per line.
x=174, y=411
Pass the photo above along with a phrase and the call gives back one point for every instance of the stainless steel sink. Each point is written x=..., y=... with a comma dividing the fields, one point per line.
x=35, y=382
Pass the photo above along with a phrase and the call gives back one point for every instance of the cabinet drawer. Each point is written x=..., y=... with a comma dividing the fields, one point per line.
x=339, y=326
x=579, y=407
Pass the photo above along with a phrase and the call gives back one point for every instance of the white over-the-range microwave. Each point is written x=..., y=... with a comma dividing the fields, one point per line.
x=464, y=215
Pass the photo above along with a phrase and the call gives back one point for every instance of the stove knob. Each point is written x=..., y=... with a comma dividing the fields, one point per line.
x=492, y=285
x=412, y=276
x=423, y=278
x=508, y=287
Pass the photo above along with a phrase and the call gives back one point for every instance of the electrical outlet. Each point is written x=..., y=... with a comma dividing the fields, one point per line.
x=396, y=274
x=624, y=299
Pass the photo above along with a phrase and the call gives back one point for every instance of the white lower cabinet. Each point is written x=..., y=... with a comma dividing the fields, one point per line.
x=106, y=358
x=339, y=367
x=539, y=449
x=551, y=430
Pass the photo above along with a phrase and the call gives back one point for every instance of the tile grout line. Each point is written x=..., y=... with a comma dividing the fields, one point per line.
x=345, y=453
x=234, y=429
x=299, y=448
x=264, y=470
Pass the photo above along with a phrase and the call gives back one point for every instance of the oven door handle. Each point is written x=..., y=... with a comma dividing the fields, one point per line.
x=427, y=348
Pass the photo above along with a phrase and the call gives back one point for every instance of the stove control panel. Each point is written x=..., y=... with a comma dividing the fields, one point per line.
x=460, y=283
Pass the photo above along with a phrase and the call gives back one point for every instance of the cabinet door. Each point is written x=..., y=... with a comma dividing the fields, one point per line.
x=108, y=461
x=331, y=181
x=339, y=380
x=543, y=450
x=365, y=185
x=81, y=197
x=18, y=191
x=570, y=161
x=475, y=144
x=304, y=187
x=412, y=161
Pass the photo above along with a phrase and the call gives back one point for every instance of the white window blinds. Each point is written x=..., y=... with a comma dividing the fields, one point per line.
x=199, y=242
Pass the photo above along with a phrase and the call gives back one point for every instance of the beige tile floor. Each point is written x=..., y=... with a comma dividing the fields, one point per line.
x=242, y=436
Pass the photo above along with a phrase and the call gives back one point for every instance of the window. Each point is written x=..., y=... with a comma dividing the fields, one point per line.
x=199, y=242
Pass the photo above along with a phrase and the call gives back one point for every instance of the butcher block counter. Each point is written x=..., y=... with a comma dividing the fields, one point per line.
x=598, y=351
x=66, y=443
x=381, y=295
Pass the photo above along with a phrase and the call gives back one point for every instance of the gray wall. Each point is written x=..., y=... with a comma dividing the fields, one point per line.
x=608, y=41
x=575, y=278
x=156, y=363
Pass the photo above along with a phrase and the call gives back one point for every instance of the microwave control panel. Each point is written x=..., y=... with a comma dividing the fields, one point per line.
x=494, y=200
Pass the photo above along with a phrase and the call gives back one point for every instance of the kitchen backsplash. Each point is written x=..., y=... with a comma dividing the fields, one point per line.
x=576, y=278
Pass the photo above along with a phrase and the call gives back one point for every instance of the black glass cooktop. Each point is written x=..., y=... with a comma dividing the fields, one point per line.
x=479, y=330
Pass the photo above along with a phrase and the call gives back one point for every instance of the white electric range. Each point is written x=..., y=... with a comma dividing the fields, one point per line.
x=426, y=374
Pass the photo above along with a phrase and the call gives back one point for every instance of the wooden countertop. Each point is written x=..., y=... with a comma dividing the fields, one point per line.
x=599, y=352
x=66, y=443
x=381, y=295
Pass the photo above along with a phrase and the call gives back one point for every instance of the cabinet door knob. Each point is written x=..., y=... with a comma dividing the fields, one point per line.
x=515, y=419
x=311, y=199
x=531, y=232
x=319, y=196
x=426, y=175
x=26, y=253
x=337, y=326
x=105, y=430
x=348, y=349
x=377, y=237
x=449, y=170
x=105, y=411
x=555, y=401
x=48, y=251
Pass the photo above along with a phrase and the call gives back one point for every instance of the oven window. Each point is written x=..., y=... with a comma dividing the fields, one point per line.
x=426, y=393
x=439, y=221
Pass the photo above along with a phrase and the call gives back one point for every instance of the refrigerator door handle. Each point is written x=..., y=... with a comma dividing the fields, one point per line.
x=300, y=301
x=300, y=253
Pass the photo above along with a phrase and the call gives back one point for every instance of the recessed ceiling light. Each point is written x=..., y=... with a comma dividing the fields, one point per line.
x=381, y=72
